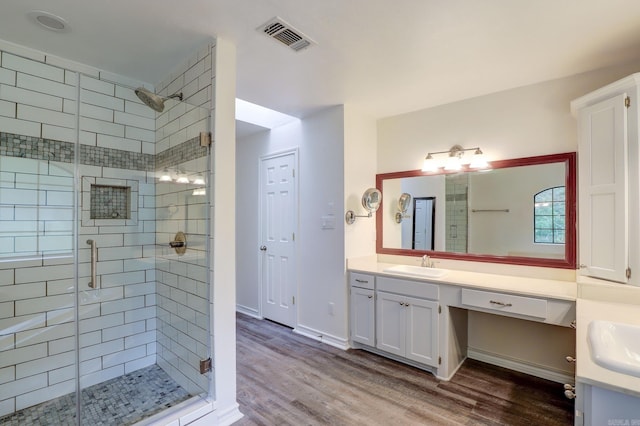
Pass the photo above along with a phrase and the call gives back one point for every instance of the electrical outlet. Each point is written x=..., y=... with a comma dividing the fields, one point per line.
x=331, y=308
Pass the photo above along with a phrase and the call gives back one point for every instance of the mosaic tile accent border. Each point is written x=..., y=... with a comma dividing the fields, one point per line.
x=115, y=158
x=12, y=145
x=186, y=151
x=21, y=146
x=124, y=400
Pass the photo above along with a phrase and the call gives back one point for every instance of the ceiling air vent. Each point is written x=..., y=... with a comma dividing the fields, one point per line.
x=280, y=30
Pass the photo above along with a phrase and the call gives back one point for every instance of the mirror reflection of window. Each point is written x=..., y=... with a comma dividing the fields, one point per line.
x=549, y=216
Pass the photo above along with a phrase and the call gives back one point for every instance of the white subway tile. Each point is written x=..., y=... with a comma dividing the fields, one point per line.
x=148, y=148
x=140, y=314
x=96, y=85
x=60, y=287
x=125, y=278
x=17, y=49
x=7, y=342
x=43, y=304
x=44, y=394
x=140, y=363
x=141, y=134
x=98, y=99
x=130, y=304
x=71, y=78
x=7, y=406
x=101, y=295
x=101, y=349
x=58, y=133
x=59, y=198
x=7, y=109
x=62, y=345
x=113, y=253
x=140, y=109
x=21, y=323
x=41, y=115
x=101, y=376
x=32, y=67
x=99, y=113
x=88, y=138
x=49, y=87
x=7, y=77
x=62, y=374
x=7, y=374
x=44, y=334
x=107, y=141
x=26, y=369
x=90, y=366
x=140, y=339
x=6, y=308
x=101, y=127
x=29, y=275
x=69, y=106
x=125, y=330
x=18, y=387
x=90, y=339
x=29, y=97
x=124, y=356
x=20, y=127
x=22, y=291
x=98, y=323
x=134, y=120
x=28, y=353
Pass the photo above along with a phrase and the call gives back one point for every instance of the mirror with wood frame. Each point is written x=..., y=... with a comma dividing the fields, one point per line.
x=520, y=211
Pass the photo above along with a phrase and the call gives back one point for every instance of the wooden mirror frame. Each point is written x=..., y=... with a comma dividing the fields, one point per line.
x=569, y=261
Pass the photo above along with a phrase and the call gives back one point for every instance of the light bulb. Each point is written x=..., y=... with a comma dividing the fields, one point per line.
x=165, y=177
x=453, y=163
x=478, y=161
x=429, y=164
x=199, y=180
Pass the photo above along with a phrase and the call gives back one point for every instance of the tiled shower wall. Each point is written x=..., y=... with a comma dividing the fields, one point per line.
x=38, y=114
x=457, y=212
x=183, y=293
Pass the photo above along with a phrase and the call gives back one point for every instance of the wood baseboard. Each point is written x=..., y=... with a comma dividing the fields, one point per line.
x=322, y=337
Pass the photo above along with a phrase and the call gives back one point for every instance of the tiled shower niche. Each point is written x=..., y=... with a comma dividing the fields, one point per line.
x=110, y=202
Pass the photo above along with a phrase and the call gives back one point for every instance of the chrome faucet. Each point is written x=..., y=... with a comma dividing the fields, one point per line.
x=426, y=261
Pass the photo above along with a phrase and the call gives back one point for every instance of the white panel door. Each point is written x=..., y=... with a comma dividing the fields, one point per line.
x=422, y=331
x=603, y=182
x=420, y=225
x=278, y=212
x=390, y=323
x=363, y=316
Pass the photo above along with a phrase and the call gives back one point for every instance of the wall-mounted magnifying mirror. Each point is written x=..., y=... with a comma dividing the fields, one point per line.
x=403, y=204
x=371, y=200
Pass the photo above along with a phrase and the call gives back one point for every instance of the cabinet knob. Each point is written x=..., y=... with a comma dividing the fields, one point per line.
x=570, y=387
x=573, y=324
x=370, y=297
x=570, y=394
x=570, y=359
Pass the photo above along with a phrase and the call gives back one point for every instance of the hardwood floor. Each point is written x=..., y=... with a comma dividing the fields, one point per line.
x=287, y=379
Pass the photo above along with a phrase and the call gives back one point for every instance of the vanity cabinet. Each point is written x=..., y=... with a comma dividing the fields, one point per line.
x=596, y=405
x=363, y=306
x=408, y=327
x=609, y=192
x=407, y=320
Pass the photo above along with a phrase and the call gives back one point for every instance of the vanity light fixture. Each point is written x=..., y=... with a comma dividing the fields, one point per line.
x=199, y=180
x=182, y=179
x=165, y=176
x=454, y=160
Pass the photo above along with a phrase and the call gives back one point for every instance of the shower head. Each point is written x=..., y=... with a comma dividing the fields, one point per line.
x=153, y=101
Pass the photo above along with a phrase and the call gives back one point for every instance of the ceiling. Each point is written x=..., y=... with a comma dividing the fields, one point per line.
x=386, y=57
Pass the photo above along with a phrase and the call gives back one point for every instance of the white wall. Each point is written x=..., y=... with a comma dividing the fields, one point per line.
x=527, y=121
x=320, y=252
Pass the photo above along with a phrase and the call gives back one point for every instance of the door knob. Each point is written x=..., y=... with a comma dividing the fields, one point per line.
x=263, y=248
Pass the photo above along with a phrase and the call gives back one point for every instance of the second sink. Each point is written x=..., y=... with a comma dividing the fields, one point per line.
x=417, y=271
x=615, y=346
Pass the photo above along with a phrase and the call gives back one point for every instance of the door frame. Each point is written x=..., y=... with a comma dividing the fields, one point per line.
x=296, y=191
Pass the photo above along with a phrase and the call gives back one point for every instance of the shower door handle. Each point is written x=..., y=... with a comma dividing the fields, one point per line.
x=94, y=260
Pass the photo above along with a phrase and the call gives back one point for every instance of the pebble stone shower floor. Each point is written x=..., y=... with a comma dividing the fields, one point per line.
x=121, y=401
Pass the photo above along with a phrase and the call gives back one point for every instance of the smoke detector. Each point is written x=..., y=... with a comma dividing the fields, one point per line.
x=286, y=34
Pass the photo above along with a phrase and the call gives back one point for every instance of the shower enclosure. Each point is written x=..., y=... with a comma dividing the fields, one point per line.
x=104, y=234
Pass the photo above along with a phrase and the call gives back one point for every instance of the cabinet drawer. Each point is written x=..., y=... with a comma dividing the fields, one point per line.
x=410, y=288
x=505, y=303
x=362, y=280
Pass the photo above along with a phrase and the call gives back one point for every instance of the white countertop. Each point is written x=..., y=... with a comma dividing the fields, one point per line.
x=554, y=289
x=586, y=370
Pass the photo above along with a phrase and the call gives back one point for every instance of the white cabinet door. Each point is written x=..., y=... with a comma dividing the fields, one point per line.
x=363, y=316
x=603, y=196
x=391, y=323
x=422, y=331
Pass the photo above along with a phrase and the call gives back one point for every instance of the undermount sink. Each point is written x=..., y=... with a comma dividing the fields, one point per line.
x=417, y=271
x=615, y=346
